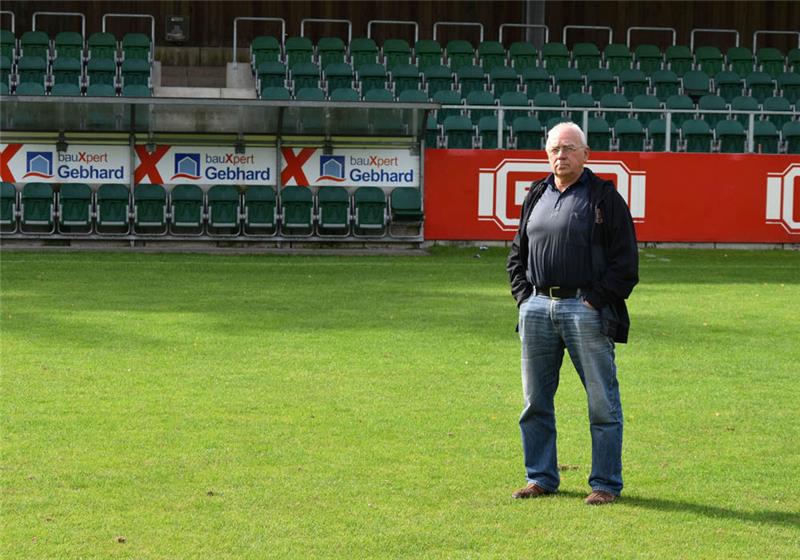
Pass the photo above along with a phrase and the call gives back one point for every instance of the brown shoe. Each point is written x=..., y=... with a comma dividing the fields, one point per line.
x=530, y=491
x=599, y=498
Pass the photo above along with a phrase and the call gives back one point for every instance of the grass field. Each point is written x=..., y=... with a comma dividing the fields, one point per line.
x=216, y=407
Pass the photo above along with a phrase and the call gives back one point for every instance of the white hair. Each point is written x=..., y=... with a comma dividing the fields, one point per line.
x=570, y=126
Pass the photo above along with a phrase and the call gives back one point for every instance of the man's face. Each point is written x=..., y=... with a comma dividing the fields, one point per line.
x=566, y=154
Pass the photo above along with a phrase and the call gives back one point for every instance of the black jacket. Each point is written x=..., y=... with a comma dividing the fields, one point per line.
x=615, y=257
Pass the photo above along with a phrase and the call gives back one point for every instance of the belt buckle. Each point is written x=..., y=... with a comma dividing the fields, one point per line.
x=550, y=292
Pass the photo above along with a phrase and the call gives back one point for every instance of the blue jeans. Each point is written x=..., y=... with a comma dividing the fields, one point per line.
x=546, y=327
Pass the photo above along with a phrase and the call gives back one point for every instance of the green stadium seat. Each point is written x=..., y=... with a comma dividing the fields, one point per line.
x=568, y=81
x=270, y=73
x=372, y=76
x=405, y=206
x=633, y=82
x=771, y=61
x=186, y=208
x=30, y=88
x=102, y=46
x=275, y=94
x=536, y=81
x=370, y=214
x=696, y=84
x=101, y=71
x=480, y=98
x=528, y=133
x=712, y=103
x=405, y=76
x=793, y=60
x=744, y=103
x=789, y=85
x=135, y=71
x=415, y=96
x=379, y=96
x=630, y=135
x=428, y=52
x=777, y=104
x=338, y=75
x=37, y=208
x=223, y=209
x=471, y=78
x=459, y=53
x=297, y=211
x=136, y=46
x=665, y=83
x=458, y=132
x=617, y=57
x=491, y=54
x=34, y=44
x=299, y=50
x=447, y=97
x=547, y=99
x=65, y=90
x=731, y=137
x=136, y=90
x=331, y=50
x=67, y=71
x=649, y=58
x=765, y=137
x=102, y=116
x=577, y=101
x=260, y=210
x=310, y=94
x=4, y=89
x=363, y=51
x=614, y=101
x=333, y=205
x=395, y=52
x=75, y=208
x=740, y=60
x=791, y=136
x=645, y=102
x=657, y=131
x=113, y=208
x=437, y=78
x=679, y=103
x=760, y=85
x=432, y=133
x=697, y=135
x=555, y=56
x=514, y=99
x=599, y=134
x=5, y=69
x=68, y=44
x=523, y=55
x=487, y=132
x=601, y=81
x=729, y=84
x=552, y=122
x=8, y=207
x=503, y=79
x=264, y=48
x=304, y=75
x=679, y=59
x=709, y=59
x=31, y=70
x=8, y=44
x=149, y=208
x=586, y=56
x=344, y=94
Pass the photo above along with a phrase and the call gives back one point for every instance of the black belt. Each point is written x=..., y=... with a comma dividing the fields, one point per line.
x=556, y=292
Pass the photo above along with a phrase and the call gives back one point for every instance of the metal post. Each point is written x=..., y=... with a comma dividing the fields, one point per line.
x=500, y=120
x=751, y=118
x=235, y=22
x=668, y=133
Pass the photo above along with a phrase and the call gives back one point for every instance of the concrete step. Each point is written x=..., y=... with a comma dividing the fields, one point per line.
x=193, y=76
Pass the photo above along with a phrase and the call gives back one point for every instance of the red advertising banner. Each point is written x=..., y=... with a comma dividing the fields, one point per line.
x=673, y=197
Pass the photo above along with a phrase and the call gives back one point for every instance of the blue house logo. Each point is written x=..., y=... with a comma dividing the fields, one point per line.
x=39, y=164
x=187, y=166
x=331, y=168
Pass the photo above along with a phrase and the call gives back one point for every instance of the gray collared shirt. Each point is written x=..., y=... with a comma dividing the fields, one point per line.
x=558, y=230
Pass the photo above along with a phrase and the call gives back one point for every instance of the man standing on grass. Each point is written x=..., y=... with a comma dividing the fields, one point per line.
x=573, y=262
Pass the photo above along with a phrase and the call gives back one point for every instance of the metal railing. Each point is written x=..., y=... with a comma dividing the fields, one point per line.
x=236, y=21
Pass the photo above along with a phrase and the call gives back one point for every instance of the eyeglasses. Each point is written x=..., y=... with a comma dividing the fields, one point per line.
x=566, y=148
